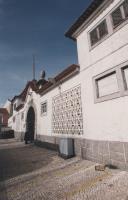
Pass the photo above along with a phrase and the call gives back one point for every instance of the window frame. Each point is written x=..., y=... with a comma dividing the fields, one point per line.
x=44, y=113
x=124, y=17
x=105, y=74
x=22, y=116
x=124, y=84
x=98, y=33
x=14, y=107
x=123, y=90
x=110, y=27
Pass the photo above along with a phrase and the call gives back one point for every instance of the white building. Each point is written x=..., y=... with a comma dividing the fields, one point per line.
x=90, y=103
x=7, y=105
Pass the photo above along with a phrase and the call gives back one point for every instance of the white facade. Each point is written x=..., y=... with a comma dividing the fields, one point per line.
x=105, y=120
x=103, y=95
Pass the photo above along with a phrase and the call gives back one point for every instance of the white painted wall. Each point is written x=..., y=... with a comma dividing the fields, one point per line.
x=106, y=120
x=45, y=121
x=102, y=121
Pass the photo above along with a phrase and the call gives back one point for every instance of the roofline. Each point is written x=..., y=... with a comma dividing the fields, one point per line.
x=24, y=91
x=86, y=16
x=60, y=78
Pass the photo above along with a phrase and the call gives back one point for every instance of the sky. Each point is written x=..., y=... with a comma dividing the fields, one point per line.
x=36, y=27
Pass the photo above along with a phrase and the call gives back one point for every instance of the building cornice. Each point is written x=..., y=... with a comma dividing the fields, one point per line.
x=89, y=15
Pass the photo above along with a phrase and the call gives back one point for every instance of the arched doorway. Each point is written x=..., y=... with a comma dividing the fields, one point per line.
x=30, y=125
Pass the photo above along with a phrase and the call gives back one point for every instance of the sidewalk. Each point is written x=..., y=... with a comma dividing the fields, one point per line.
x=38, y=174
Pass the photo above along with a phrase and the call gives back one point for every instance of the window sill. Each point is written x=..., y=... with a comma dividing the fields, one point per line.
x=107, y=97
x=44, y=114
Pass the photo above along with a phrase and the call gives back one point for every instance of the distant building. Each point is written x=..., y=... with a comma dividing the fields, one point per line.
x=7, y=105
x=87, y=103
x=4, y=115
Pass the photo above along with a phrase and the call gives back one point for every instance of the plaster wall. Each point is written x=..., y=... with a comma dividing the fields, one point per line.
x=106, y=120
x=45, y=121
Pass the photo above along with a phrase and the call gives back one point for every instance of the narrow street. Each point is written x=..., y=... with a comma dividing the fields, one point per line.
x=33, y=173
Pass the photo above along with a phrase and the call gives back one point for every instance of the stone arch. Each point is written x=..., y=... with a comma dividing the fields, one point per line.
x=32, y=108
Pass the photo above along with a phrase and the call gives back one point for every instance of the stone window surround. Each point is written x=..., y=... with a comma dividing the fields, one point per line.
x=123, y=91
x=44, y=113
x=111, y=29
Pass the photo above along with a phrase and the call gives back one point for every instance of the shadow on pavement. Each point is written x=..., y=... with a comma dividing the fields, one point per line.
x=22, y=160
x=16, y=161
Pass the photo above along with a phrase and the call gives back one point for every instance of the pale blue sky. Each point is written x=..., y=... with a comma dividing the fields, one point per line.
x=35, y=26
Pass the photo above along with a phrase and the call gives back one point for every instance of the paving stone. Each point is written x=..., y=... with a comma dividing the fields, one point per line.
x=117, y=156
x=33, y=173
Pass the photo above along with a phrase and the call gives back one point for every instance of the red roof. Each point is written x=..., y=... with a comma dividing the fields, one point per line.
x=23, y=94
x=20, y=107
x=64, y=74
x=68, y=72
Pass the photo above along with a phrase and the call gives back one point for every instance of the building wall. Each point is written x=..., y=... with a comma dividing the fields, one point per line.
x=105, y=127
x=105, y=123
x=45, y=121
x=4, y=118
x=106, y=120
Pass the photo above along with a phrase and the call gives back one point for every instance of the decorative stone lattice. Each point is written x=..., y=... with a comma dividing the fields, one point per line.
x=67, y=112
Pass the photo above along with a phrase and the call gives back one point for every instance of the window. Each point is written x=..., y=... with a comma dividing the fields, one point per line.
x=1, y=118
x=125, y=6
x=15, y=106
x=120, y=14
x=111, y=84
x=22, y=116
x=107, y=85
x=99, y=32
x=13, y=119
x=43, y=108
x=125, y=76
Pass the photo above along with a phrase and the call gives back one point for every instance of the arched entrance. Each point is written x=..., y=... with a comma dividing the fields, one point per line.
x=30, y=125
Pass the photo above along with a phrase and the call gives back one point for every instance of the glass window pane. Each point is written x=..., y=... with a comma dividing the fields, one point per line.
x=103, y=29
x=94, y=37
x=43, y=108
x=107, y=85
x=125, y=72
x=117, y=17
x=125, y=6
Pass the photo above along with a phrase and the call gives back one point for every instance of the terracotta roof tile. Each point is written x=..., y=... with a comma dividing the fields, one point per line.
x=33, y=84
x=23, y=94
x=64, y=74
x=20, y=107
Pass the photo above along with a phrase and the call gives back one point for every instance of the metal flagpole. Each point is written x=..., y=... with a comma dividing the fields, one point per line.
x=33, y=66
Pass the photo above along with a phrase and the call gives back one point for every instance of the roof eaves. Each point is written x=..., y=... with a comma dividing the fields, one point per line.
x=83, y=17
x=64, y=75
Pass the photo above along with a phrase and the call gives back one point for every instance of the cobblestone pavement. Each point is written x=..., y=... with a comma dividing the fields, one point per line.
x=33, y=173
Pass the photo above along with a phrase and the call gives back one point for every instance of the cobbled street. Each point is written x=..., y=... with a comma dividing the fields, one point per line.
x=33, y=173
